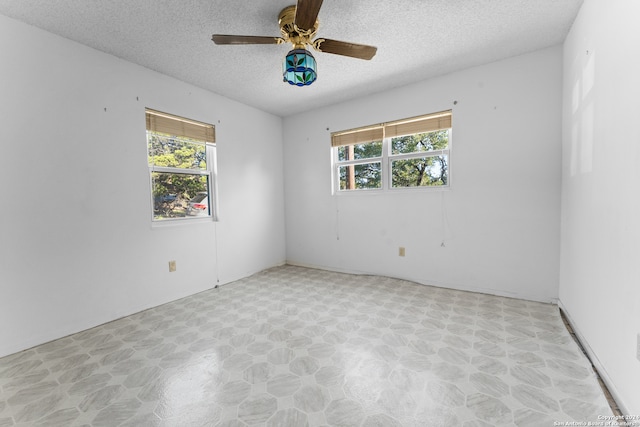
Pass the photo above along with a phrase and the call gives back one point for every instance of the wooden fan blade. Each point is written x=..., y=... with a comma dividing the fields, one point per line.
x=230, y=39
x=307, y=13
x=361, y=51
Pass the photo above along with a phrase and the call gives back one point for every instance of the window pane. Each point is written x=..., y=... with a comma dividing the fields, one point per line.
x=418, y=142
x=177, y=195
x=420, y=172
x=356, y=177
x=175, y=152
x=360, y=151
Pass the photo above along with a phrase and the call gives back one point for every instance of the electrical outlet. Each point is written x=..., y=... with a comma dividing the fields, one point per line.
x=638, y=347
x=172, y=266
x=401, y=251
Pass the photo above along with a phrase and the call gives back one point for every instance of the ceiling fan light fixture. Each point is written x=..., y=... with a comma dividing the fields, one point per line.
x=299, y=68
x=298, y=25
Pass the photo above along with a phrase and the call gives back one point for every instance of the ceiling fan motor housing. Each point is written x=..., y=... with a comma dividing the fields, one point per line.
x=298, y=37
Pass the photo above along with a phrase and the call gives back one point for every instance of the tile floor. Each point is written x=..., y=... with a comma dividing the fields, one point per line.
x=299, y=347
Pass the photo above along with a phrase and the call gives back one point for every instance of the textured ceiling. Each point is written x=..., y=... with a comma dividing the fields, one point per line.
x=416, y=40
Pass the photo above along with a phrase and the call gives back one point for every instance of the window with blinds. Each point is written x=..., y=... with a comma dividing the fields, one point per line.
x=181, y=155
x=168, y=124
x=412, y=152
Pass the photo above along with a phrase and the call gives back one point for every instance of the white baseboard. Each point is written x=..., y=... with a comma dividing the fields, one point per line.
x=435, y=283
x=595, y=361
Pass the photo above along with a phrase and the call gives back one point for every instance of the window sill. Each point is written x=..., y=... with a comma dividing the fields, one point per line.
x=400, y=190
x=177, y=222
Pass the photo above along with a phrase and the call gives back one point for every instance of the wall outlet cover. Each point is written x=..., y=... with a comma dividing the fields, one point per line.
x=172, y=266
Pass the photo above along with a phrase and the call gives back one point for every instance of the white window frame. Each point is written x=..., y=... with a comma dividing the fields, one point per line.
x=343, y=163
x=210, y=172
x=386, y=160
x=416, y=155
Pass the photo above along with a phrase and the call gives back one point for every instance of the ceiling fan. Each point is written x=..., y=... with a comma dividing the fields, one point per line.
x=298, y=26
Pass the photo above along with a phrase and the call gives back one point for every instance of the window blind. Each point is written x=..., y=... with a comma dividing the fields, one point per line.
x=178, y=126
x=421, y=124
x=357, y=136
x=410, y=126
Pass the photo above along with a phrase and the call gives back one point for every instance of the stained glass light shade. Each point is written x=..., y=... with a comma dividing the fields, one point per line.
x=299, y=68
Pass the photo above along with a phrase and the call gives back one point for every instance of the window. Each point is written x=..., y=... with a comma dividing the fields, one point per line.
x=360, y=165
x=406, y=153
x=181, y=156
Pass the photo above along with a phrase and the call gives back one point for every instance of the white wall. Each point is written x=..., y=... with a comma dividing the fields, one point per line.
x=600, y=267
x=76, y=243
x=500, y=218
